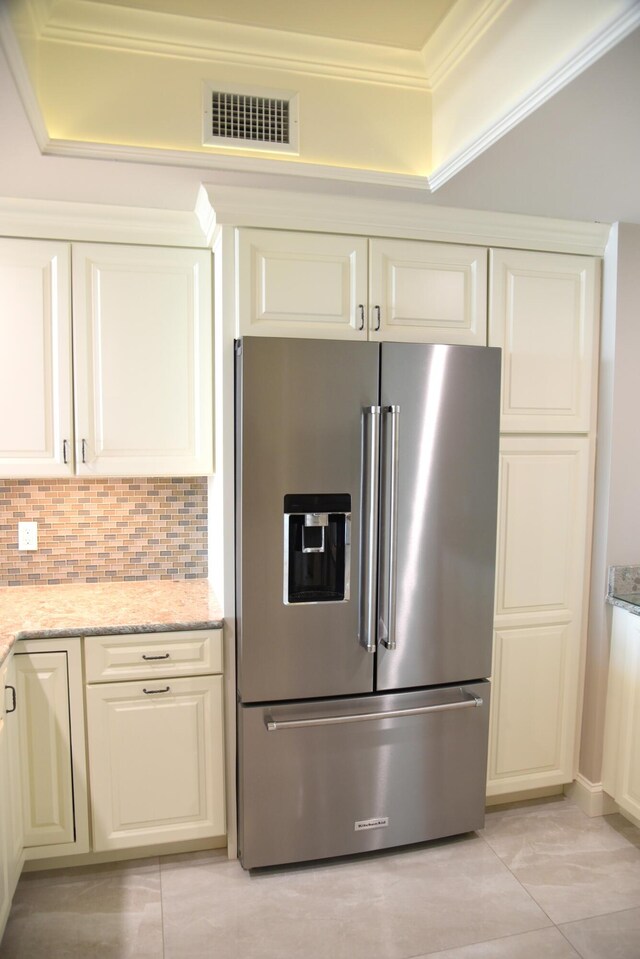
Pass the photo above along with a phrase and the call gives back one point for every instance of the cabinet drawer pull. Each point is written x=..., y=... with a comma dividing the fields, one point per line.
x=378, y=318
x=65, y=451
x=361, y=308
x=152, y=692
x=161, y=656
x=83, y=447
x=13, y=699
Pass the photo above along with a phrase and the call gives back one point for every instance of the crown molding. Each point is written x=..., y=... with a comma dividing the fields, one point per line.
x=460, y=30
x=20, y=74
x=230, y=163
x=413, y=218
x=599, y=44
x=127, y=28
x=61, y=220
x=220, y=206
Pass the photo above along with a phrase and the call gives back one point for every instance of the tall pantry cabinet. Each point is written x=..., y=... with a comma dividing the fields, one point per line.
x=543, y=313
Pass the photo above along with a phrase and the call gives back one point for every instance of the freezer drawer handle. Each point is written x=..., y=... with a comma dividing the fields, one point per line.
x=369, y=525
x=470, y=700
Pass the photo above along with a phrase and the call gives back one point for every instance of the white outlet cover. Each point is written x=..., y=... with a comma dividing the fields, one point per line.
x=27, y=536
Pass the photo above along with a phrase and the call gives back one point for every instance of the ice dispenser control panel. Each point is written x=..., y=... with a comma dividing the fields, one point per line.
x=317, y=547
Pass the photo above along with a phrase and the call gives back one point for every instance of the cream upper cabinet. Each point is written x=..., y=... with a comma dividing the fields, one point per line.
x=35, y=359
x=621, y=772
x=427, y=292
x=347, y=287
x=302, y=284
x=142, y=361
x=543, y=524
x=52, y=747
x=543, y=312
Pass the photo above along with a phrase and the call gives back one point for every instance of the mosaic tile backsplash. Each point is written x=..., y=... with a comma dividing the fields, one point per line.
x=94, y=531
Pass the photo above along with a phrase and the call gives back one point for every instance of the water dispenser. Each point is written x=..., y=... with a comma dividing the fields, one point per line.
x=317, y=547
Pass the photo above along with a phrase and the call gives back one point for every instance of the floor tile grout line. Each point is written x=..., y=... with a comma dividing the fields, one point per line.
x=161, y=906
x=522, y=886
x=573, y=946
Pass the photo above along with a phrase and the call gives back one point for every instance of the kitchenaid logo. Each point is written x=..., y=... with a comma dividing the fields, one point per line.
x=380, y=822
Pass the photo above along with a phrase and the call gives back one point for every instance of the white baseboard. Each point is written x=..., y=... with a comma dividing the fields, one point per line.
x=590, y=797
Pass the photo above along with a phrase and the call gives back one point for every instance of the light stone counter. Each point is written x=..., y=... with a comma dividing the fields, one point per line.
x=85, y=609
x=624, y=588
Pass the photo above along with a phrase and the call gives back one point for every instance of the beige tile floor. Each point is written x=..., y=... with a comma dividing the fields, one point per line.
x=541, y=881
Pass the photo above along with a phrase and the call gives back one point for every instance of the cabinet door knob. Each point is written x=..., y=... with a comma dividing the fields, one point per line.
x=153, y=692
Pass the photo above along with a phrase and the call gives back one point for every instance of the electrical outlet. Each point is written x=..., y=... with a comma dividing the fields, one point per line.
x=27, y=535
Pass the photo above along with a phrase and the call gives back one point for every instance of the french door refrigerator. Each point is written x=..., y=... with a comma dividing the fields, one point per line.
x=365, y=541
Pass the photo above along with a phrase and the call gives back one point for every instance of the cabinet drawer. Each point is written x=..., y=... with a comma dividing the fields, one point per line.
x=139, y=655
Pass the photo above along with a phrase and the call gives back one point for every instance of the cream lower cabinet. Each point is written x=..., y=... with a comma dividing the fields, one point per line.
x=347, y=287
x=156, y=747
x=621, y=771
x=543, y=537
x=6, y=892
x=52, y=747
x=13, y=797
x=11, y=833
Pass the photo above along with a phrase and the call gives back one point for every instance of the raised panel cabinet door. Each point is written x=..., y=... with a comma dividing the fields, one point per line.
x=6, y=891
x=543, y=527
x=42, y=689
x=51, y=739
x=620, y=683
x=533, y=710
x=36, y=437
x=142, y=327
x=543, y=312
x=540, y=610
x=427, y=292
x=156, y=758
x=628, y=791
x=14, y=793
x=302, y=284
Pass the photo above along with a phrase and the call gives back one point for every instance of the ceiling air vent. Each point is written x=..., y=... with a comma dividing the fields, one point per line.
x=250, y=119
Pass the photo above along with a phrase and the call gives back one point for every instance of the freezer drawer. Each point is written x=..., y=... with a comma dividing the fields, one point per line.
x=352, y=775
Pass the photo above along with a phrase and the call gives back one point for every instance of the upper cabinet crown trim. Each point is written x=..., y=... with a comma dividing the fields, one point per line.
x=219, y=206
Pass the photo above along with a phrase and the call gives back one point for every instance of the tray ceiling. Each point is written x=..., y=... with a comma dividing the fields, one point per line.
x=407, y=24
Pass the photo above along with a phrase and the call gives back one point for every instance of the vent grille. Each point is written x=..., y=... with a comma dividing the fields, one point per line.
x=241, y=117
x=250, y=118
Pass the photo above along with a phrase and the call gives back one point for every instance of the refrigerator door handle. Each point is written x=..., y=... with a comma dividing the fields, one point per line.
x=369, y=525
x=469, y=701
x=388, y=587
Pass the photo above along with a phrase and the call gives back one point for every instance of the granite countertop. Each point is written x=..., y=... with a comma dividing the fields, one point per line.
x=624, y=588
x=85, y=609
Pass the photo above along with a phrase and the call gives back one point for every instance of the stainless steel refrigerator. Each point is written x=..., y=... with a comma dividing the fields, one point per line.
x=365, y=540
